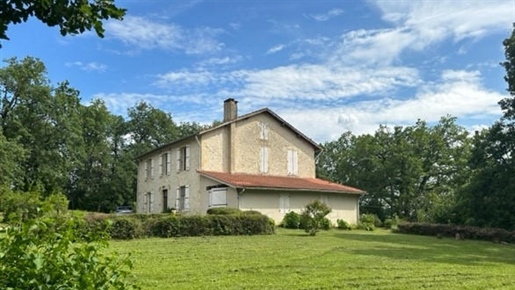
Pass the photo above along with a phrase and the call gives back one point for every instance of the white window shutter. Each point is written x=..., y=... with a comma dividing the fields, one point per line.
x=261, y=164
x=187, y=157
x=295, y=162
x=167, y=163
x=161, y=164
x=151, y=202
x=178, y=159
x=187, y=197
x=266, y=159
x=290, y=163
x=178, y=199
x=151, y=168
x=146, y=201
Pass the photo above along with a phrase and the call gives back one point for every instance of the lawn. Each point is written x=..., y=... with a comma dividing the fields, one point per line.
x=331, y=260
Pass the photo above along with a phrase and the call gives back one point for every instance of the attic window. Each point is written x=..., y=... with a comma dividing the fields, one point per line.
x=263, y=131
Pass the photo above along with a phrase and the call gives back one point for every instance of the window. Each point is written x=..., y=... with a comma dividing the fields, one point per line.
x=217, y=197
x=263, y=131
x=263, y=159
x=149, y=202
x=150, y=168
x=293, y=162
x=165, y=164
x=284, y=203
x=165, y=200
x=183, y=158
x=183, y=195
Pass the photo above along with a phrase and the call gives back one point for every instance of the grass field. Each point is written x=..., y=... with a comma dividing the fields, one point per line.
x=331, y=260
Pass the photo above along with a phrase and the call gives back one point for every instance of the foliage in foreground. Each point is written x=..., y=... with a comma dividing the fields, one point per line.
x=50, y=253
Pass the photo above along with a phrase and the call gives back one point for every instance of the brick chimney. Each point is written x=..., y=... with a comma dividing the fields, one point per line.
x=230, y=109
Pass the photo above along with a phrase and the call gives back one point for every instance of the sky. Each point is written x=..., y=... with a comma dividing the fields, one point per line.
x=326, y=67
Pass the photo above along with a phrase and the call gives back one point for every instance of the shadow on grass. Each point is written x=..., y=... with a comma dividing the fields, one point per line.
x=431, y=249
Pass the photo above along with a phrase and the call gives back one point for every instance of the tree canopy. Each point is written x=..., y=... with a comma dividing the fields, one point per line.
x=50, y=142
x=72, y=16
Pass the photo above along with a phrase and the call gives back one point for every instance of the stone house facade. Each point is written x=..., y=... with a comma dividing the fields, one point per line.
x=256, y=161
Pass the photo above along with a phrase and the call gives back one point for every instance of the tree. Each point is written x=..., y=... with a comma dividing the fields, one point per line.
x=313, y=216
x=72, y=16
x=489, y=198
x=410, y=172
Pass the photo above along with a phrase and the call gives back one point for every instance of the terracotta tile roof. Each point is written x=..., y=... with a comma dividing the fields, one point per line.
x=240, y=180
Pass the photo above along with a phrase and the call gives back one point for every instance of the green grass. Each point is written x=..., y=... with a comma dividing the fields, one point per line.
x=331, y=260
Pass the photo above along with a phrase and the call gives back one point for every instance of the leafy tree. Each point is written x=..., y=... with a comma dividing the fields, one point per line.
x=43, y=120
x=313, y=216
x=150, y=127
x=411, y=171
x=72, y=16
x=489, y=198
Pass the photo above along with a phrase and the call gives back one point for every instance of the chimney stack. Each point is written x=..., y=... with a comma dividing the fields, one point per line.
x=230, y=109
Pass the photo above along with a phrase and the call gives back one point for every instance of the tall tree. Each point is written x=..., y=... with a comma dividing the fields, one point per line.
x=489, y=198
x=407, y=171
x=42, y=119
x=150, y=127
x=72, y=16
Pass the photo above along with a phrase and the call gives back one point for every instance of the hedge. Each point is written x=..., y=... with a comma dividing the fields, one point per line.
x=457, y=231
x=138, y=226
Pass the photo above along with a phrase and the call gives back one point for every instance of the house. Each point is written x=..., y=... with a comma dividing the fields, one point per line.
x=256, y=161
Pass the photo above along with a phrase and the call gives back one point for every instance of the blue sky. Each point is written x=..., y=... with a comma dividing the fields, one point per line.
x=324, y=66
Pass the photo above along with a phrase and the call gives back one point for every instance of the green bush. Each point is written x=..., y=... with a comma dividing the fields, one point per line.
x=326, y=224
x=367, y=222
x=291, y=220
x=251, y=212
x=343, y=225
x=223, y=211
x=19, y=207
x=36, y=256
x=452, y=231
x=313, y=215
x=212, y=225
x=125, y=229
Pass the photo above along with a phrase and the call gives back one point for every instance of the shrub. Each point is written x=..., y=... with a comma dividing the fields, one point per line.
x=343, y=225
x=367, y=222
x=251, y=212
x=291, y=220
x=19, y=207
x=453, y=231
x=223, y=211
x=313, y=215
x=125, y=229
x=35, y=256
x=212, y=225
x=326, y=224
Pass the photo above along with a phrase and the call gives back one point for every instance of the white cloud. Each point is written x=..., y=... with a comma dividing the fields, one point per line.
x=326, y=16
x=458, y=94
x=419, y=24
x=144, y=34
x=90, y=66
x=275, y=49
x=300, y=82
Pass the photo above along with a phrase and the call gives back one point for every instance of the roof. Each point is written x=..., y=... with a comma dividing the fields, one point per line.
x=242, y=117
x=249, y=181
